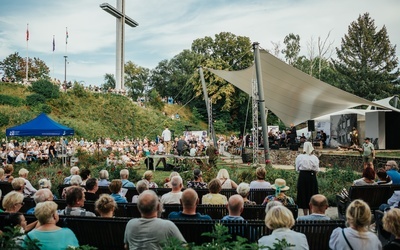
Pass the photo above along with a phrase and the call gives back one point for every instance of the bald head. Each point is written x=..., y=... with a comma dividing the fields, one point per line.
x=148, y=203
x=319, y=203
x=43, y=195
x=235, y=205
x=189, y=198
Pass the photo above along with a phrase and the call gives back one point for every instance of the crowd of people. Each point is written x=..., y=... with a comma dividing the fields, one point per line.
x=82, y=186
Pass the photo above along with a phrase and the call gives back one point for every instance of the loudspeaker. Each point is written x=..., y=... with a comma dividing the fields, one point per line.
x=311, y=125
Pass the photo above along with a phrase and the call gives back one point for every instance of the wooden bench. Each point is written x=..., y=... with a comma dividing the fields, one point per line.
x=108, y=233
x=373, y=195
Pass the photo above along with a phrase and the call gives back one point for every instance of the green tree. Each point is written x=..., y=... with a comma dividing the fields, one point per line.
x=136, y=78
x=292, y=49
x=109, y=82
x=45, y=88
x=14, y=66
x=367, y=61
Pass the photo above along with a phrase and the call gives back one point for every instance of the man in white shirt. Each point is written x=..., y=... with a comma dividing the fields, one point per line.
x=173, y=197
x=166, y=135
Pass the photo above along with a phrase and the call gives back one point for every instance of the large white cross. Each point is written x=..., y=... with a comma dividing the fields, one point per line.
x=119, y=13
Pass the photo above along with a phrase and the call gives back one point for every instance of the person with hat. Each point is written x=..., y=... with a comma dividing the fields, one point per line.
x=280, y=188
x=307, y=164
x=368, y=153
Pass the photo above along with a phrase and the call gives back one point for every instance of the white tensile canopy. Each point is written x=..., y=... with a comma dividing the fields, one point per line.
x=291, y=94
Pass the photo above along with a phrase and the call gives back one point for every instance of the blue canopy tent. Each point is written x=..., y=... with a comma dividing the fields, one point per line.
x=42, y=125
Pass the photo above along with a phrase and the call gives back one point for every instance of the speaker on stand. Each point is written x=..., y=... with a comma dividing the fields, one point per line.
x=311, y=128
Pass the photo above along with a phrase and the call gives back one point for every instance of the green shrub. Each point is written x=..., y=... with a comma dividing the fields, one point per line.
x=4, y=119
x=35, y=99
x=11, y=100
x=45, y=88
x=79, y=91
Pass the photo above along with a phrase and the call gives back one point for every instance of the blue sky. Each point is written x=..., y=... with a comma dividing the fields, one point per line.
x=166, y=27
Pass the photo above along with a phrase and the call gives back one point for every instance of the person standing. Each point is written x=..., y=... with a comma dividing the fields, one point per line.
x=52, y=152
x=307, y=164
x=368, y=153
x=166, y=136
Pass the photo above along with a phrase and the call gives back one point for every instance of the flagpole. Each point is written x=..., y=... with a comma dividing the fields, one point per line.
x=54, y=47
x=27, y=57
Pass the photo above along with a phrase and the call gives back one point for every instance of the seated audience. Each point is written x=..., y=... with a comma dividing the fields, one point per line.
x=41, y=195
x=18, y=184
x=105, y=206
x=223, y=177
x=148, y=176
x=124, y=175
x=75, y=199
x=48, y=234
x=392, y=202
x=383, y=177
x=235, y=207
x=29, y=190
x=115, y=189
x=391, y=223
x=272, y=204
x=356, y=235
x=75, y=181
x=137, y=230
x=13, y=202
x=198, y=180
x=168, y=183
x=85, y=175
x=46, y=184
x=18, y=221
x=280, y=220
x=189, y=201
x=214, y=197
x=173, y=197
x=280, y=188
x=8, y=170
x=392, y=170
x=243, y=190
x=318, y=206
x=103, y=176
x=91, y=189
x=140, y=187
x=74, y=171
x=260, y=182
x=368, y=178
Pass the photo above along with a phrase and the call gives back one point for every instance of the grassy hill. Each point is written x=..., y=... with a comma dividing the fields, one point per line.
x=94, y=115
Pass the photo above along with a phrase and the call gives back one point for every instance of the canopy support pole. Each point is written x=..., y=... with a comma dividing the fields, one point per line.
x=261, y=102
x=209, y=112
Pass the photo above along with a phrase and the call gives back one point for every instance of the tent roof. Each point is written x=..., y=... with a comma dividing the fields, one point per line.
x=42, y=125
x=291, y=94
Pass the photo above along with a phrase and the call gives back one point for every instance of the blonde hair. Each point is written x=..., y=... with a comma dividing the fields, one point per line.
x=44, y=211
x=358, y=214
x=1, y=172
x=391, y=221
x=223, y=174
x=148, y=175
x=104, y=174
x=279, y=217
x=105, y=204
x=11, y=199
x=142, y=186
x=18, y=183
x=124, y=173
x=260, y=173
x=23, y=171
x=172, y=174
x=74, y=171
